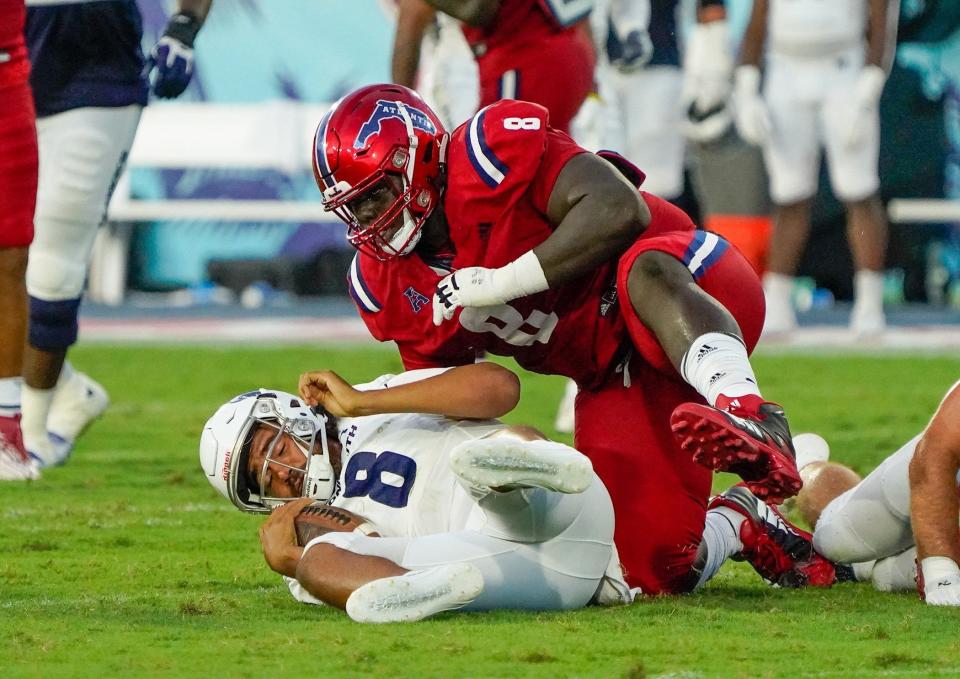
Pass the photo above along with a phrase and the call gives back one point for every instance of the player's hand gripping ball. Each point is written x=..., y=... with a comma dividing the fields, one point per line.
x=319, y=518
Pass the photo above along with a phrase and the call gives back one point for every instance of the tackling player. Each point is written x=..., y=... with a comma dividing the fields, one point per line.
x=90, y=83
x=823, y=77
x=473, y=513
x=903, y=513
x=509, y=238
x=18, y=193
x=536, y=50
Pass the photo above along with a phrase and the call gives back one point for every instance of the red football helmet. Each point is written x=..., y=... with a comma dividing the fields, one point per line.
x=379, y=143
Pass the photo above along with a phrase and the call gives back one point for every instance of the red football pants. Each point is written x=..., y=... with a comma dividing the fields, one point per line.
x=18, y=166
x=659, y=494
x=558, y=75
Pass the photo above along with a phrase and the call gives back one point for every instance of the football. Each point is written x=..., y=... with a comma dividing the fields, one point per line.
x=320, y=518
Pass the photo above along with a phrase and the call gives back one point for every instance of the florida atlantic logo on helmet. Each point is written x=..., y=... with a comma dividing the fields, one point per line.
x=379, y=157
x=387, y=110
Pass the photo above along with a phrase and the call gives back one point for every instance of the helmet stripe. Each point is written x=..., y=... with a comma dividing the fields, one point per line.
x=320, y=149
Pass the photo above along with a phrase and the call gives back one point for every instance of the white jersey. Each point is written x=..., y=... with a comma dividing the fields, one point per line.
x=396, y=472
x=815, y=27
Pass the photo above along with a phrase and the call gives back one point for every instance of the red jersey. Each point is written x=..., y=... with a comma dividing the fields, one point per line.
x=502, y=166
x=14, y=66
x=522, y=23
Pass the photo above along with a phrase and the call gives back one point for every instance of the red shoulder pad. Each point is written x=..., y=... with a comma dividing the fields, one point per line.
x=503, y=144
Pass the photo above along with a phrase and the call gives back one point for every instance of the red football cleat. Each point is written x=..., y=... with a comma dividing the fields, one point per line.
x=747, y=436
x=15, y=463
x=780, y=552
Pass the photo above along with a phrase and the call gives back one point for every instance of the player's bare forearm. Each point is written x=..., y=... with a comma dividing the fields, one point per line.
x=278, y=538
x=598, y=215
x=934, y=504
x=198, y=8
x=477, y=391
x=751, y=50
x=332, y=574
x=412, y=20
x=472, y=12
x=877, y=33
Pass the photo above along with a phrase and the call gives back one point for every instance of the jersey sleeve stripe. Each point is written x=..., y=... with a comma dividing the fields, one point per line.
x=703, y=252
x=510, y=85
x=320, y=150
x=485, y=162
x=359, y=291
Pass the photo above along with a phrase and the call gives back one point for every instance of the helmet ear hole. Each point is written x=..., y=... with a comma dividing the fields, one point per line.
x=427, y=153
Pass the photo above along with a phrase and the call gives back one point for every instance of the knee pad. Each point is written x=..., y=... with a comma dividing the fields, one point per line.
x=57, y=272
x=53, y=325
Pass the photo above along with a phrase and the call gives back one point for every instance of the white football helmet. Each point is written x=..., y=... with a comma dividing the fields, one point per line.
x=225, y=446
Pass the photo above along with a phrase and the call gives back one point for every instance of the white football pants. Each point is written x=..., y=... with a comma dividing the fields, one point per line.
x=82, y=152
x=536, y=549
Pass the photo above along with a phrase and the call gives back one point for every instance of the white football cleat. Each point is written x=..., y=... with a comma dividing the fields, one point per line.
x=565, y=411
x=416, y=595
x=52, y=452
x=76, y=403
x=503, y=463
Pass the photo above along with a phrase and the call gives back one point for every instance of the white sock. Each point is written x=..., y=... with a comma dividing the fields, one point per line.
x=721, y=535
x=36, y=407
x=10, y=394
x=868, y=289
x=717, y=363
x=778, y=289
x=66, y=374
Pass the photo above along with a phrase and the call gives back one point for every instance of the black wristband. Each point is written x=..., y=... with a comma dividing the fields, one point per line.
x=184, y=27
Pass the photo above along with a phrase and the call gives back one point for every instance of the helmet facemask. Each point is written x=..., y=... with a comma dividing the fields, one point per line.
x=378, y=237
x=315, y=474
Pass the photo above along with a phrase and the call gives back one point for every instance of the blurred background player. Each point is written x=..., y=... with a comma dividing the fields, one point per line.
x=824, y=72
x=90, y=83
x=496, y=516
x=18, y=192
x=431, y=55
x=903, y=513
x=535, y=50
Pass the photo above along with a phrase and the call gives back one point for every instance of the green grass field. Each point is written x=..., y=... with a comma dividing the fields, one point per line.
x=125, y=562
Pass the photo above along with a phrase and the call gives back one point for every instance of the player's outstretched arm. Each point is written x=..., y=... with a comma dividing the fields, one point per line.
x=413, y=18
x=934, y=504
x=476, y=391
x=473, y=12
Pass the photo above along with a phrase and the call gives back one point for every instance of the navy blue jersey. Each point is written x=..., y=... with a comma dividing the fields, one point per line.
x=662, y=48
x=85, y=54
